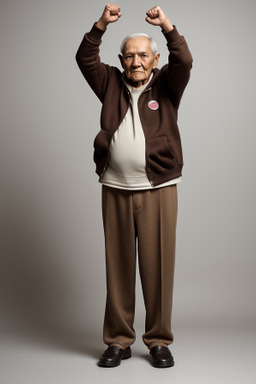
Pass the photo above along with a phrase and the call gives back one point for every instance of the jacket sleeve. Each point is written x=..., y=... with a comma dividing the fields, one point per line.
x=177, y=73
x=88, y=59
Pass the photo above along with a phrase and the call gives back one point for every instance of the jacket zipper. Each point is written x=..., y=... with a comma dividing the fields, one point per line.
x=129, y=93
x=150, y=181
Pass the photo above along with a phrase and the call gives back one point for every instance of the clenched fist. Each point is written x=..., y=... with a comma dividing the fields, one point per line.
x=110, y=14
x=156, y=16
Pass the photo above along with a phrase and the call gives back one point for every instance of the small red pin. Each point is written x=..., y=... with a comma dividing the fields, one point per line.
x=153, y=104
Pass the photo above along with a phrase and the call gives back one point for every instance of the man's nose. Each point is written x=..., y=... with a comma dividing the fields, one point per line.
x=136, y=61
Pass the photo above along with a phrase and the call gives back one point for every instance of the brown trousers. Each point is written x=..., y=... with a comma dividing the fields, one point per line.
x=150, y=217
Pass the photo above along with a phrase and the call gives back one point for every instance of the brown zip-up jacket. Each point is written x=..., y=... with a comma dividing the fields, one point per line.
x=164, y=159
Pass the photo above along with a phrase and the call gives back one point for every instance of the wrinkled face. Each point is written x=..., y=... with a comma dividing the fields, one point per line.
x=138, y=60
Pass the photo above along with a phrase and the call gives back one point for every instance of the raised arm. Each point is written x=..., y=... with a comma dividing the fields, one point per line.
x=88, y=59
x=177, y=72
x=110, y=14
x=157, y=17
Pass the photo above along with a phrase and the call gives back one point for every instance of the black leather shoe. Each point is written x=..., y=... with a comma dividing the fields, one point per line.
x=113, y=355
x=161, y=357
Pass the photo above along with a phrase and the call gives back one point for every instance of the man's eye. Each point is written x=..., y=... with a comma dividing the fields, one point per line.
x=128, y=57
x=143, y=55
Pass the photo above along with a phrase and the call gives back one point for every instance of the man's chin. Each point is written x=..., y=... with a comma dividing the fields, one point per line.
x=138, y=77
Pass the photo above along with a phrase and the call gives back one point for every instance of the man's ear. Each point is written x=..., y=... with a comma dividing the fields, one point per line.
x=156, y=61
x=121, y=60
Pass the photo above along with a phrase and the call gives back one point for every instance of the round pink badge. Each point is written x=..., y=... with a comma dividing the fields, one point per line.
x=153, y=104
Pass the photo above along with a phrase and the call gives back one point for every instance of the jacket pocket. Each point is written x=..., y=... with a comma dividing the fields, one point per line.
x=101, y=149
x=160, y=158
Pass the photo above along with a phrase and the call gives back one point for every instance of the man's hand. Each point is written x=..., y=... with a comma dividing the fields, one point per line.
x=156, y=16
x=110, y=14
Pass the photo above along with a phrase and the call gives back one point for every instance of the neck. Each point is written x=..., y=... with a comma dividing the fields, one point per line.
x=137, y=84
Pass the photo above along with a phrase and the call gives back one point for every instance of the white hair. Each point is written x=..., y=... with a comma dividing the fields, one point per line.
x=134, y=35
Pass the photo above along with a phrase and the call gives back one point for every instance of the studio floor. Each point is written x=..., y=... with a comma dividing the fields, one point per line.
x=202, y=356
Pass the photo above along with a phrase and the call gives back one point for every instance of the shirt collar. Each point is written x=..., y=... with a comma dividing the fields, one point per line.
x=134, y=89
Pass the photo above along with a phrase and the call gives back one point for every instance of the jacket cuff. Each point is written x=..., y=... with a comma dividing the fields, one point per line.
x=172, y=36
x=95, y=33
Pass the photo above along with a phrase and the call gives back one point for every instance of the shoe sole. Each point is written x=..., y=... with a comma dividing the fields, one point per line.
x=163, y=365
x=127, y=355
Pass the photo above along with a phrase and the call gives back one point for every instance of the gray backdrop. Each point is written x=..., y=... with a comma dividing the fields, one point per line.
x=52, y=268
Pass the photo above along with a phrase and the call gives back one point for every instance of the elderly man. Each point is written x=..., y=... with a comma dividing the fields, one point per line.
x=138, y=158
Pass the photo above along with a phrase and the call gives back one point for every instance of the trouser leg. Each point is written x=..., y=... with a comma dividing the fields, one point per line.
x=120, y=249
x=156, y=226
